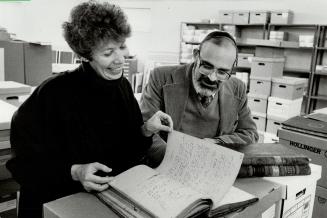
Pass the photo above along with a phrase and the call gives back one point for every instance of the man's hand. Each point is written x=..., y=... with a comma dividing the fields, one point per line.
x=85, y=173
x=160, y=121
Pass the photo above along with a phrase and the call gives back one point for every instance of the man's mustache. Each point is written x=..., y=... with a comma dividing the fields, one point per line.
x=206, y=80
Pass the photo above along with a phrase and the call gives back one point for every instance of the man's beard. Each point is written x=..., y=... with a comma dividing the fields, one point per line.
x=204, y=86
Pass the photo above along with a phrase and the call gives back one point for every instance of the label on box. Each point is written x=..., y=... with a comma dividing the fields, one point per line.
x=300, y=209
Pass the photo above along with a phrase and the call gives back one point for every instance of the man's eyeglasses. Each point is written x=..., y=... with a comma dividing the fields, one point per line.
x=206, y=68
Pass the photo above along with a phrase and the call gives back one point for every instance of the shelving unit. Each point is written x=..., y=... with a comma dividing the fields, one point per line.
x=317, y=95
x=300, y=61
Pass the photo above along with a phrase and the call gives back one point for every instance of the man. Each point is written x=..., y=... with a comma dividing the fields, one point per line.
x=202, y=98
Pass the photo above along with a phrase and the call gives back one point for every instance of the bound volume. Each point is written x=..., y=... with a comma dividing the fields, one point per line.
x=272, y=159
x=195, y=178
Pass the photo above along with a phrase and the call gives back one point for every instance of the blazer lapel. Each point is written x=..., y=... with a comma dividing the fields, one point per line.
x=176, y=94
x=227, y=110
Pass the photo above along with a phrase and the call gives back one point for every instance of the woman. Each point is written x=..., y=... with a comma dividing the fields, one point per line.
x=84, y=122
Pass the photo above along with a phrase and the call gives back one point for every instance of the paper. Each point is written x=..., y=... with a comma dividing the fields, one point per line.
x=208, y=168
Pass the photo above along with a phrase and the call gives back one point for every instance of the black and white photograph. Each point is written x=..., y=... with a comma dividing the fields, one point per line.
x=163, y=109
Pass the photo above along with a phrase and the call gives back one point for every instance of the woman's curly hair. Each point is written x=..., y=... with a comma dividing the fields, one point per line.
x=91, y=23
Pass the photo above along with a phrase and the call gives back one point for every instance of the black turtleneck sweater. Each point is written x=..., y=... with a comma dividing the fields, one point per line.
x=76, y=117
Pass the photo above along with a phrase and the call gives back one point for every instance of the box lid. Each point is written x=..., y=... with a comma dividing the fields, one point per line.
x=245, y=55
x=279, y=118
x=255, y=95
x=260, y=59
x=10, y=87
x=260, y=78
x=283, y=100
x=289, y=80
x=6, y=112
x=258, y=114
x=282, y=11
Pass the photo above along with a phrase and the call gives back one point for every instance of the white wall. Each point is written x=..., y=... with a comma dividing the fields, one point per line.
x=41, y=20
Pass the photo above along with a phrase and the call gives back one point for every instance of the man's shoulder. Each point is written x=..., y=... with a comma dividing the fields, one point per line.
x=235, y=86
x=171, y=74
x=169, y=70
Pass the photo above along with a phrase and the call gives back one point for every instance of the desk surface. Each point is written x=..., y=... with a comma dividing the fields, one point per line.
x=84, y=205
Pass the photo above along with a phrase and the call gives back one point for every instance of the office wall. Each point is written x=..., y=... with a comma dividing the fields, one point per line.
x=41, y=20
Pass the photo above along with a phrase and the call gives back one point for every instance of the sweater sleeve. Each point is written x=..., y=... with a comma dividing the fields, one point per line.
x=38, y=158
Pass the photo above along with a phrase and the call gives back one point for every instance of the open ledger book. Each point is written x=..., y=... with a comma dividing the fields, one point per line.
x=194, y=178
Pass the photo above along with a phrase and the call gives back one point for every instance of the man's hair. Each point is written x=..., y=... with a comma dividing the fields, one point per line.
x=221, y=38
x=92, y=23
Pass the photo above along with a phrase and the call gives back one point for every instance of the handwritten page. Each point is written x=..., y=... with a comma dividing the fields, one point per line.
x=164, y=196
x=205, y=167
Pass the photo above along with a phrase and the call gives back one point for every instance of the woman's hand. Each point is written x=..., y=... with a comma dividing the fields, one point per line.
x=85, y=173
x=160, y=121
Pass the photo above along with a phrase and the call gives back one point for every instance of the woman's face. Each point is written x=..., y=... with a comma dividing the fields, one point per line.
x=108, y=59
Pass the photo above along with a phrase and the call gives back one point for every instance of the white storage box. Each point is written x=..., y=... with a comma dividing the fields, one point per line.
x=267, y=67
x=260, y=120
x=299, y=193
x=320, y=206
x=6, y=112
x=244, y=60
x=288, y=108
x=274, y=123
x=11, y=91
x=288, y=87
x=278, y=35
x=260, y=85
x=226, y=17
x=261, y=136
x=241, y=17
x=270, y=138
x=260, y=17
x=257, y=102
x=281, y=17
x=312, y=146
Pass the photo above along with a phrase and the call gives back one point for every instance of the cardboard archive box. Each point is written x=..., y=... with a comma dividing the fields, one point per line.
x=257, y=102
x=260, y=85
x=288, y=87
x=244, y=60
x=226, y=17
x=10, y=91
x=313, y=146
x=260, y=120
x=298, y=199
x=286, y=108
x=274, y=123
x=241, y=17
x=281, y=17
x=2, y=64
x=259, y=17
x=27, y=63
x=267, y=67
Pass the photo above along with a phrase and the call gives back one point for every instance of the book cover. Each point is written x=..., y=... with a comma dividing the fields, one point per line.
x=195, y=177
x=307, y=125
x=273, y=170
x=271, y=154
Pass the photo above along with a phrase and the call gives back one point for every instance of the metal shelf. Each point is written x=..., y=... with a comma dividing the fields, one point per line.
x=322, y=48
x=319, y=97
x=295, y=70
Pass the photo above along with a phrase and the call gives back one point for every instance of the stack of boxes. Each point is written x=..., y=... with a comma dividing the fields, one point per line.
x=273, y=98
x=9, y=188
x=191, y=37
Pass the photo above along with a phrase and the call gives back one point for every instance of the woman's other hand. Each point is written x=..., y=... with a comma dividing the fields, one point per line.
x=86, y=174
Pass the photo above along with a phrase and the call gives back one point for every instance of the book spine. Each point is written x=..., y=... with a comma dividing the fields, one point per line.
x=273, y=170
x=276, y=160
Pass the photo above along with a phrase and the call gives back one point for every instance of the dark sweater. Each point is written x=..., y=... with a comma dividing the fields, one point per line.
x=74, y=118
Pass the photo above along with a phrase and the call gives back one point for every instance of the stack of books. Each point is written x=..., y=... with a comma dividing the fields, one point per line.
x=272, y=159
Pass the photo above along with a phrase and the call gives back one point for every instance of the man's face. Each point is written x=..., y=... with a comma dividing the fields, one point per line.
x=219, y=57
